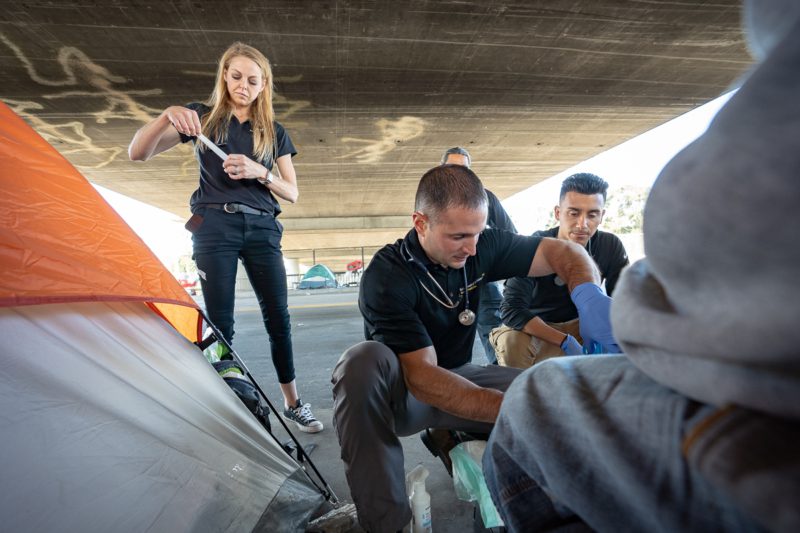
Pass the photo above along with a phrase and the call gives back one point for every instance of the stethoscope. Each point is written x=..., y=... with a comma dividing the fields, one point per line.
x=465, y=317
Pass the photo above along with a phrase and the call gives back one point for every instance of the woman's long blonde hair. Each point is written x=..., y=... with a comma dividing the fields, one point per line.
x=215, y=123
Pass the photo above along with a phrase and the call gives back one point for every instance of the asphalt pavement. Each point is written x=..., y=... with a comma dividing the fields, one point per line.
x=325, y=322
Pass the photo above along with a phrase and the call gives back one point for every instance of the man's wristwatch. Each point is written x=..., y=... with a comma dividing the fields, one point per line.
x=267, y=179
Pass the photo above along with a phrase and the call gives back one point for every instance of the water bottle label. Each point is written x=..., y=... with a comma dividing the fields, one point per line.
x=426, y=520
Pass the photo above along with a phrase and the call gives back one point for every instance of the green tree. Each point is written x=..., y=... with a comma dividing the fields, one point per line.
x=625, y=209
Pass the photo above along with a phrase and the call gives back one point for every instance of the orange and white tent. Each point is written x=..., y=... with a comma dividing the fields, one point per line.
x=61, y=242
x=112, y=418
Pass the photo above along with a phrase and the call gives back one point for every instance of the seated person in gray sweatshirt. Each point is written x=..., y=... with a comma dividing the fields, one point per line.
x=696, y=427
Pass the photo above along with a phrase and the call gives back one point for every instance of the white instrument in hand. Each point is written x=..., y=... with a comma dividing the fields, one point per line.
x=214, y=148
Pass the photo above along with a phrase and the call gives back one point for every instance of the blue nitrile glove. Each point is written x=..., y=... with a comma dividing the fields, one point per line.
x=593, y=311
x=595, y=348
x=571, y=346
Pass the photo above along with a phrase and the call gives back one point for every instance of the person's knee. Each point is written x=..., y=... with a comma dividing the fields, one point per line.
x=515, y=349
x=517, y=340
x=361, y=364
x=535, y=389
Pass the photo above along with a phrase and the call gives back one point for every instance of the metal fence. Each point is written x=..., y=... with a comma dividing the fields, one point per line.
x=343, y=279
x=346, y=264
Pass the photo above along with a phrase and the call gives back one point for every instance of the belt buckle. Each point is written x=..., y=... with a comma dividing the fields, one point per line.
x=232, y=209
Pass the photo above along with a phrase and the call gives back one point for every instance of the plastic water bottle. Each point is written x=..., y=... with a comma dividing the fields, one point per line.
x=419, y=500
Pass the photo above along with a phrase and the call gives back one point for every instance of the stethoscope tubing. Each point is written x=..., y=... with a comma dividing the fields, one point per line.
x=466, y=317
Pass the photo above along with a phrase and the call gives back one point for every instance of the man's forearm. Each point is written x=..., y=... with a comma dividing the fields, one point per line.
x=455, y=395
x=575, y=266
x=568, y=260
x=536, y=327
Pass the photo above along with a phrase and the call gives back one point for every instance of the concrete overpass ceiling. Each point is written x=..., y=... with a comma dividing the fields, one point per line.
x=370, y=91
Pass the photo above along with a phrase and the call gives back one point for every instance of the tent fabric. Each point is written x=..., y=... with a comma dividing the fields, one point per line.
x=112, y=421
x=318, y=277
x=61, y=242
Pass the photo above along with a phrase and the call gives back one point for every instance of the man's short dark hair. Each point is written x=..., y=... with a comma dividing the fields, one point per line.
x=584, y=183
x=448, y=186
x=457, y=150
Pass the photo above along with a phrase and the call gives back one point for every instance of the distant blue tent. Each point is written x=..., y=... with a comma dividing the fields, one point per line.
x=318, y=277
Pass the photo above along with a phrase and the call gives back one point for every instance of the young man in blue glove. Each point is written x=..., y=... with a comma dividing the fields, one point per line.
x=419, y=297
x=696, y=427
x=539, y=317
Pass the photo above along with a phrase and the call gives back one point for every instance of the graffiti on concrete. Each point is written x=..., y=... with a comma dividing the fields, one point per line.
x=82, y=80
x=392, y=134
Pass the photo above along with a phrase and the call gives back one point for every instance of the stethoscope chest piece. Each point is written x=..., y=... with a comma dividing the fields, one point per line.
x=466, y=317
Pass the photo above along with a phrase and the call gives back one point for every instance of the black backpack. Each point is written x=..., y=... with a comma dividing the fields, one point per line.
x=234, y=376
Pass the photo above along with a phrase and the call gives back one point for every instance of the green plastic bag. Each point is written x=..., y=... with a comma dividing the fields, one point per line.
x=216, y=352
x=469, y=482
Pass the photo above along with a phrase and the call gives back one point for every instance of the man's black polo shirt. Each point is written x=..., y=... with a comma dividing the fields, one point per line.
x=216, y=187
x=399, y=313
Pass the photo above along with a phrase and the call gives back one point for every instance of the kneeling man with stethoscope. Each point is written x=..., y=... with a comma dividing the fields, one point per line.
x=419, y=297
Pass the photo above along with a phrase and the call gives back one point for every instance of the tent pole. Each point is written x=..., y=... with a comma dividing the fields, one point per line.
x=327, y=492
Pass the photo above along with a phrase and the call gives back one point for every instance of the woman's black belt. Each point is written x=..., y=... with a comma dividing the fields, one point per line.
x=233, y=207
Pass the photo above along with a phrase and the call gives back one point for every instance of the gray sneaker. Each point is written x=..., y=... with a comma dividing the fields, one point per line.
x=303, y=418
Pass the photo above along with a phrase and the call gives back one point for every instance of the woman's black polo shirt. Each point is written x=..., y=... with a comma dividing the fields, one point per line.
x=216, y=187
x=399, y=313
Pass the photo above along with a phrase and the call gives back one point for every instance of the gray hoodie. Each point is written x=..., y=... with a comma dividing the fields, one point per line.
x=714, y=310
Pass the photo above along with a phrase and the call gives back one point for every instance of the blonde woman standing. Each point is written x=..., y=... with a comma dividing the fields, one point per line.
x=234, y=209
